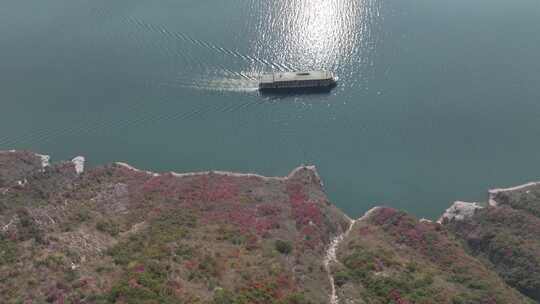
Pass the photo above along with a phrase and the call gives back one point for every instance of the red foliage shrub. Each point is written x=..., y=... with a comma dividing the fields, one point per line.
x=396, y=297
x=166, y=185
x=244, y=218
x=191, y=264
x=383, y=215
x=223, y=188
x=247, y=218
x=133, y=283
x=139, y=268
x=364, y=230
x=264, y=224
x=415, y=233
x=267, y=290
x=307, y=215
x=285, y=282
x=311, y=236
x=303, y=210
x=268, y=209
x=428, y=238
x=203, y=188
x=252, y=242
x=296, y=193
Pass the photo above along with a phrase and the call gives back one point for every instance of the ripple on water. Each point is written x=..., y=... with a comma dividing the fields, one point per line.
x=283, y=36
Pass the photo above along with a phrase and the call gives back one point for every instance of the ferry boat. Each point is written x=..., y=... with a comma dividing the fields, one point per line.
x=297, y=80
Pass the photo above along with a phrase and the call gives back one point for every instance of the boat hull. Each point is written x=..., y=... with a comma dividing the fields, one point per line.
x=296, y=89
x=297, y=81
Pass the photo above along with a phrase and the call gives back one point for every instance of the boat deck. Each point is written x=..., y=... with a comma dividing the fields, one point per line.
x=296, y=76
x=297, y=80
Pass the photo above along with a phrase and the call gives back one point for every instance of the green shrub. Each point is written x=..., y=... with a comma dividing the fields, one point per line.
x=55, y=261
x=208, y=266
x=226, y=233
x=8, y=251
x=283, y=247
x=223, y=296
x=264, y=295
x=412, y=281
x=82, y=215
x=103, y=269
x=185, y=253
x=477, y=285
x=108, y=226
x=341, y=278
x=152, y=281
x=28, y=228
x=296, y=298
x=131, y=295
x=152, y=243
x=71, y=275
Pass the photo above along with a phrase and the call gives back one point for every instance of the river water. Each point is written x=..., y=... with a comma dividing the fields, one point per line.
x=437, y=100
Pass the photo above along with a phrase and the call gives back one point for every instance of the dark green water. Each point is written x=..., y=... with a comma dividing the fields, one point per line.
x=437, y=101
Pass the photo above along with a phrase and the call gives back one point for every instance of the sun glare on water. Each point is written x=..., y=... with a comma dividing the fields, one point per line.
x=320, y=34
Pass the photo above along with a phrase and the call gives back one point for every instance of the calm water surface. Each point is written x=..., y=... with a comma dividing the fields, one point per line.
x=437, y=101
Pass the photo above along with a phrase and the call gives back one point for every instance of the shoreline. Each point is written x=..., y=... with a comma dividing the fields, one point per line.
x=295, y=171
x=492, y=193
x=79, y=163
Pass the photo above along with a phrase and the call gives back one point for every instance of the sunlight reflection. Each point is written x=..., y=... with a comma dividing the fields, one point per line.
x=312, y=34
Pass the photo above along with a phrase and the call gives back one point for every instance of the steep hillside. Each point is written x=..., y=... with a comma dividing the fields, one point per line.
x=391, y=257
x=114, y=234
x=506, y=235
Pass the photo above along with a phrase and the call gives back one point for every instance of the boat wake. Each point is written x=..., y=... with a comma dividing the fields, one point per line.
x=227, y=82
x=181, y=44
x=179, y=61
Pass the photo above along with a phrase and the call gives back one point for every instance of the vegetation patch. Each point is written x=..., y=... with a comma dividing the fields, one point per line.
x=267, y=292
x=108, y=226
x=8, y=251
x=394, y=258
x=283, y=247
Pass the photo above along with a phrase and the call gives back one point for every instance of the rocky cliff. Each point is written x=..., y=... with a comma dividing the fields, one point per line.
x=506, y=236
x=115, y=234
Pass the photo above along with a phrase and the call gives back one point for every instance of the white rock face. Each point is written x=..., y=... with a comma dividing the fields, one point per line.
x=228, y=173
x=127, y=166
x=44, y=160
x=368, y=213
x=79, y=164
x=460, y=211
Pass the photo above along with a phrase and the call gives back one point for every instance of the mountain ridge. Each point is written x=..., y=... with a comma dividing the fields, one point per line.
x=117, y=234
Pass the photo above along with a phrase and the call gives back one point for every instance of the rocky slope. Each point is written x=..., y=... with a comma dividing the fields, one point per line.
x=506, y=235
x=391, y=257
x=115, y=234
